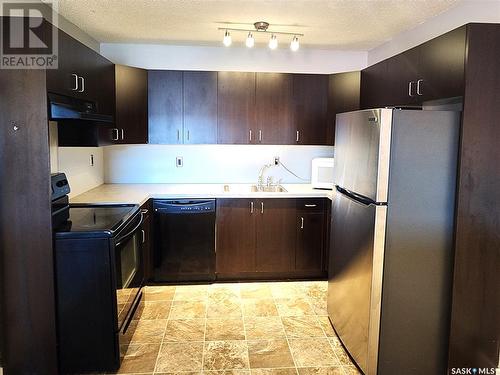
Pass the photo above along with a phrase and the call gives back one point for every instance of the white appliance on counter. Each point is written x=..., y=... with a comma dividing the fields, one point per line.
x=322, y=173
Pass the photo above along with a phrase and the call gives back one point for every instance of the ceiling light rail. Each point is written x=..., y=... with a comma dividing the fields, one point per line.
x=260, y=27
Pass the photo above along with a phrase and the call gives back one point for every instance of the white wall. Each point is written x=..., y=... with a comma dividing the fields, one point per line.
x=156, y=56
x=466, y=11
x=206, y=163
x=75, y=162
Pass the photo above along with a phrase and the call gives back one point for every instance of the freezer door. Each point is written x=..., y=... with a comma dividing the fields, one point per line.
x=354, y=280
x=362, y=150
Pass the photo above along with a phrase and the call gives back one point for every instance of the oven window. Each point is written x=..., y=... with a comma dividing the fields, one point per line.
x=129, y=259
x=129, y=277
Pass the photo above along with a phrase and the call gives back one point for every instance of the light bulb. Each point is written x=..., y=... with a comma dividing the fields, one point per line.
x=250, y=40
x=294, y=46
x=273, y=42
x=227, y=39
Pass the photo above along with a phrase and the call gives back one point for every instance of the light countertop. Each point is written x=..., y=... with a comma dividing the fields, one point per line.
x=140, y=193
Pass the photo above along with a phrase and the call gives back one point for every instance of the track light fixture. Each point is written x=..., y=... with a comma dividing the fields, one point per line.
x=261, y=27
x=250, y=41
x=294, y=45
x=227, y=39
x=273, y=42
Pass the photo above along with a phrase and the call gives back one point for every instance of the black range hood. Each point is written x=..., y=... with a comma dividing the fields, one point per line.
x=67, y=108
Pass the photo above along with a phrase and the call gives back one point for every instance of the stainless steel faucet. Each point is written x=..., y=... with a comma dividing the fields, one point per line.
x=260, y=180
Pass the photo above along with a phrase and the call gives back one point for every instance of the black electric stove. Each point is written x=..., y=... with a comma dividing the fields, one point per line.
x=95, y=220
x=99, y=276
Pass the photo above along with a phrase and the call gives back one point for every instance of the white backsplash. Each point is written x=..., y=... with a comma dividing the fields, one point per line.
x=207, y=163
x=75, y=162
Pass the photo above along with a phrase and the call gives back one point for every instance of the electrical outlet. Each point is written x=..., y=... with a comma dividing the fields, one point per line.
x=179, y=163
x=276, y=160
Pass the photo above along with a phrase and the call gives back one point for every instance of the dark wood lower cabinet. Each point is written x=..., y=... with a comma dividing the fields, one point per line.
x=275, y=235
x=235, y=236
x=261, y=239
x=311, y=239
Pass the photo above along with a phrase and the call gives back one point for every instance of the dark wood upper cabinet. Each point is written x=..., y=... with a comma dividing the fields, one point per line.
x=236, y=107
x=82, y=73
x=273, y=109
x=131, y=118
x=275, y=235
x=200, y=107
x=235, y=236
x=165, y=106
x=374, y=92
x=310, y=108
x=343, y=96
x=401, y=82
x=432, y=70
x=441, y=65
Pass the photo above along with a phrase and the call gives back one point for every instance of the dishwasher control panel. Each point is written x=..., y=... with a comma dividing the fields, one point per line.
x=184, y=206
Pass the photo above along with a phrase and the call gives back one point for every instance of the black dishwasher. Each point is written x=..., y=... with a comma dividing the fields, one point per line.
x=184, y=233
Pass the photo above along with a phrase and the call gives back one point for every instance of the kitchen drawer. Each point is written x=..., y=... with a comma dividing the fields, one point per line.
x=310, y=204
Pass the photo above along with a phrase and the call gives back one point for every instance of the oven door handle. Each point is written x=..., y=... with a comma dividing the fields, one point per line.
x=126, y=236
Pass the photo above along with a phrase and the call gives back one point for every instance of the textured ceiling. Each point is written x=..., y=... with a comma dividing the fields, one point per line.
x=338, y=24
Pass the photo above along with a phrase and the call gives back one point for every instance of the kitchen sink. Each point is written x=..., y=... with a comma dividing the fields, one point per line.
x=268, y=189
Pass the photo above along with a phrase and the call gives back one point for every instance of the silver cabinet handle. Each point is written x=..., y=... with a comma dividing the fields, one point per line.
x=298, y=136
x=250, y=135
x=123, y=134
x=418, y=87
x=301, y=223
x=260, y=135
x=310, y=205
x=410, y=86
x=261, y=207
x=143, y=236
x=115, y=134
x=82, y=88
x=251, y=207
x=75, y=76
x=188, y=135
x=178, y=135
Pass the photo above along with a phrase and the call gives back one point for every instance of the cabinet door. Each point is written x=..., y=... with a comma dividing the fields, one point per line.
x=400, y=85
x=235, y=236
x=273, y=109
x=131, y=104
x=310, y=246
x=275, y=235
x=165, y=106
x=343, y=96
x=236, y=107
x=98, y=80
x=200, y=107
x=71, y=61
x=442, y=62
x=374, y=91
x=310, y=105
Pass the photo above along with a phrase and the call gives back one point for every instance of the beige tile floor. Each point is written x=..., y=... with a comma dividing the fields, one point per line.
x=239, y=328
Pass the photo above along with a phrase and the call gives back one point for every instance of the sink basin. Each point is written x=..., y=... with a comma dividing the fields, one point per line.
x=268, y=189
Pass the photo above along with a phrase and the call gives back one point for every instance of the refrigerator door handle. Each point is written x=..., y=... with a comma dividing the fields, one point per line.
x=357, y=197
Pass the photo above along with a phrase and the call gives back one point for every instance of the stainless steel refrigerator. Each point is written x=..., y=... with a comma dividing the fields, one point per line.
x=391, y=251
